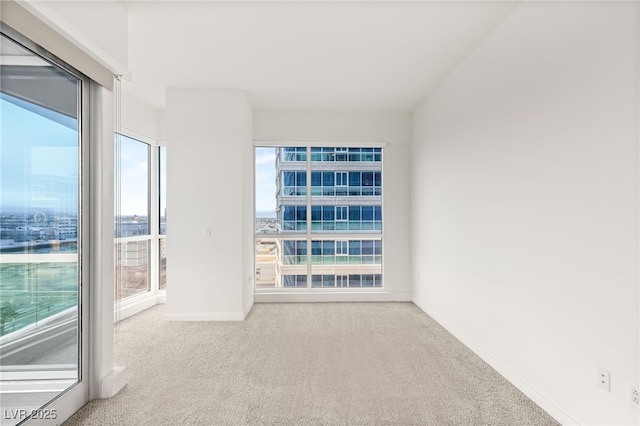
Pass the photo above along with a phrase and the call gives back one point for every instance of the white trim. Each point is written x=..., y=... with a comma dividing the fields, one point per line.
x=331, y=296
x=113, y=382
x=317, y=144
x=133, y=305
x=132, y=238
x=206, y=316
x=247, y=308
x=531, y=392
x=61, y=257
x=140, y=137
x=8, y=386
x=64, y=407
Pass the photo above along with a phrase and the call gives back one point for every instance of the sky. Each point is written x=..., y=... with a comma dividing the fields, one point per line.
x=265, y=182
x=134, y=174
x=32, y=145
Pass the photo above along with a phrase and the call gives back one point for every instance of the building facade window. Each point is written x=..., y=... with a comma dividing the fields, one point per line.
x=319, y=192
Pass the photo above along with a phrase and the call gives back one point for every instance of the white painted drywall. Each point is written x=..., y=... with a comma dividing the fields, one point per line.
x=393, y=128
x=209, y=138
x=525, y=205
x=138, y=117
x=248, y=221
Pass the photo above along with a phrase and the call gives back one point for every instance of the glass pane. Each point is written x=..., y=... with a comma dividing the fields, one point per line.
x=39, y=232
x=132, y=187
x=352, y=259
x=132, y=268
x=351, y=188
x=162, y=188
x=272, y=254
x=132, y=217
x=163, y=264
x=280, y=190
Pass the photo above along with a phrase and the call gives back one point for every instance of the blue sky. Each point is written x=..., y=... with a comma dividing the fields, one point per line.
x=134, y=174
x=33, y=145
x=265, y=182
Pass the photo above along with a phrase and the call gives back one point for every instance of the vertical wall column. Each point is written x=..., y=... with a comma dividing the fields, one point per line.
x=209, y=140
x=106, y=379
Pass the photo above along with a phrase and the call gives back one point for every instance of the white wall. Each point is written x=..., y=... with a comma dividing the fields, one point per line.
x=138, y=118
x=327, y=128
x=525, y=205
x=248, y=221
x=209, y=139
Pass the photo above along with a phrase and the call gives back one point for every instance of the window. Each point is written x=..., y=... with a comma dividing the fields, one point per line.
x=294, y=154
x=341, y=248
x=305, y=198
x=342, y=281
x=295, y=183
x=132, y=227
x=162, y=207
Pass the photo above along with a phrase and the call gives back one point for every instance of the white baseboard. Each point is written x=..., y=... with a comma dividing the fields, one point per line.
x=277, y=297
x=506, y=372
x=247, y=308
x=114, y=382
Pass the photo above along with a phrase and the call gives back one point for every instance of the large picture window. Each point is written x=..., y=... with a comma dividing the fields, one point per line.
x=318, y=217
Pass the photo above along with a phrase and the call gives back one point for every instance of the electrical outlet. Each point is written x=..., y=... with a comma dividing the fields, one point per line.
x=604, y=378
x=634, y=395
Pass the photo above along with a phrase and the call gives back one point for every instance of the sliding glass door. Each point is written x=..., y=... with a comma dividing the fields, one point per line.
x=41, y=238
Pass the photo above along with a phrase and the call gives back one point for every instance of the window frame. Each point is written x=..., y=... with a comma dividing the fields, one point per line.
x=129, y=305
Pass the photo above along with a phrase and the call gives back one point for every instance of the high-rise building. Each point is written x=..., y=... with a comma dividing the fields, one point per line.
x=329, y=200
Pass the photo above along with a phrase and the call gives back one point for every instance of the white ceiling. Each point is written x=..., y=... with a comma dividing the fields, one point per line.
x=322, y=56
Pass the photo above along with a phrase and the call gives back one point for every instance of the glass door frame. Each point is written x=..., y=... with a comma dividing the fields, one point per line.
x=73, y=398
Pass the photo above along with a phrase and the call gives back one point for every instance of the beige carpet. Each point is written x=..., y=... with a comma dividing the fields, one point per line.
x=306, y=364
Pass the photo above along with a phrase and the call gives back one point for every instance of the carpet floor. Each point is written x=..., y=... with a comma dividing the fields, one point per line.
x=305, y=364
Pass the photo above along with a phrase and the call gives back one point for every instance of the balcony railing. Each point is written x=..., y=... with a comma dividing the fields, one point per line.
x=35, y=287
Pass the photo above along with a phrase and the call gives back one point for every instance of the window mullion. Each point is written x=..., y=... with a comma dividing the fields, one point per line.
x=309, y=221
